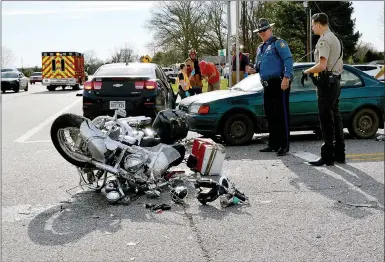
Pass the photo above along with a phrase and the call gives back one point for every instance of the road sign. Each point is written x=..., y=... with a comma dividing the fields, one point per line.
x=146, y=59
x=222, y=52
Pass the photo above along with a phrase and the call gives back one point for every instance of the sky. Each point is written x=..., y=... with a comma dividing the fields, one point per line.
x=32, y=27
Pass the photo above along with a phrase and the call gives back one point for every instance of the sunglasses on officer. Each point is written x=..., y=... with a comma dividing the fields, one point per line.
x=262, y=31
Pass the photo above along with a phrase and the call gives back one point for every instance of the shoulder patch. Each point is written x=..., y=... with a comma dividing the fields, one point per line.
x=321, y=44
x=282, y=44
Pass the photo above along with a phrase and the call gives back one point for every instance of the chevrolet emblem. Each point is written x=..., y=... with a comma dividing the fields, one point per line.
x=117, y=85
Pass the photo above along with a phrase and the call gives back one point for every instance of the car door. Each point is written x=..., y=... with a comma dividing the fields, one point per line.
x=352, y=90
x=23, y=81
x=163, y=78
x=303, y=101
x=162, y=84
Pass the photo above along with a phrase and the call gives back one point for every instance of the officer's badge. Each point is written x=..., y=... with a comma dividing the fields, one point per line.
x=269, y=47
x=282, y=45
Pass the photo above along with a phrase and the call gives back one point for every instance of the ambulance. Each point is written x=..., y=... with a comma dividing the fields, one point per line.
x=61, y=69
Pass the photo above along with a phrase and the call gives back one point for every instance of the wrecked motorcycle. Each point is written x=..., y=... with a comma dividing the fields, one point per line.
x=121, y=161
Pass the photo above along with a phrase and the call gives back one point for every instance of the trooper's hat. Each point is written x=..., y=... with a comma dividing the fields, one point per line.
x=263, y=24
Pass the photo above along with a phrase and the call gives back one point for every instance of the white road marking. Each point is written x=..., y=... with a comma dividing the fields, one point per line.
x=306, y=156
x=37, y=141
x=309, y=157
x=37, y=128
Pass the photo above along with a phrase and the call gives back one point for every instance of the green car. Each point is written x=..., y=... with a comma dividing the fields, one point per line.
x=237, y=114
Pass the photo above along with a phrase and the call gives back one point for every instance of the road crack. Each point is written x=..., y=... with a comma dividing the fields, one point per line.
x=199, y=239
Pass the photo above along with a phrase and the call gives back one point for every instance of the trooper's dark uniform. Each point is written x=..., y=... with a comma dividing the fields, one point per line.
x=328, y=92
x=273, y=62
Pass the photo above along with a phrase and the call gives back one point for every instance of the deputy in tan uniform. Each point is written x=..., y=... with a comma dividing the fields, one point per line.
x=327, y=75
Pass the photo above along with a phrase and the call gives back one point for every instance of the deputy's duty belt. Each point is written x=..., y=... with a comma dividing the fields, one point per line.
x=265, y=83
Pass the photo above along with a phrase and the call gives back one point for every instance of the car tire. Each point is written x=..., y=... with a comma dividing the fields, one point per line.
x=364, y=123
x=241, y=124
x=51, y=88
x=26, y=88
x=17, y=89
x=76, y=87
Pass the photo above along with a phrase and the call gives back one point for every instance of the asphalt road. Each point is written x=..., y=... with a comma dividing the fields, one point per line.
x=296, y=212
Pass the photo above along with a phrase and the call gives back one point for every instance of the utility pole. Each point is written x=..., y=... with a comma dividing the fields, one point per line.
x=237, y=40
x=229, y=40
x=308, y=27
x=310, y=37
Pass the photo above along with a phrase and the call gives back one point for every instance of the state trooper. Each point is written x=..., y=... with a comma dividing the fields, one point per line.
x=274, y=63
x=326, y=74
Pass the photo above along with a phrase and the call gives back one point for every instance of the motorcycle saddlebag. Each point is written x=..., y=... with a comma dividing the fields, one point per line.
x=171, y=125
x=207, y=157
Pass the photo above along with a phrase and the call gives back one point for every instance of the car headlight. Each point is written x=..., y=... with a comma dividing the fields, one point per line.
x=199, y=109
x=194, y=109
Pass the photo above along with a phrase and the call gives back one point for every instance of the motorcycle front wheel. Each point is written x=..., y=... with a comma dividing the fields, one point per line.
x=65, y=135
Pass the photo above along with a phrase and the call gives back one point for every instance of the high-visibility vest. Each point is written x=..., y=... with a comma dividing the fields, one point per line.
x=185, y=79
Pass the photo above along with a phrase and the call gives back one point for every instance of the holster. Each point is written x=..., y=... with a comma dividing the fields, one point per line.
x=328, y=78
x=314, y=79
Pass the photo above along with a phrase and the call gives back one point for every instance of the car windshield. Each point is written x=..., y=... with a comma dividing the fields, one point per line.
x=130, y=70
x=36, y=74
x=251, y=83
x=9, y=75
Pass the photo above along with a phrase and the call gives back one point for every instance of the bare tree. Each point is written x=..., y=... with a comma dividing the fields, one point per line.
x=90, y=57
x=7, y=56
x=123, y=54
x=91, y=61
x=362, y=49
x=216, y=30
x=178, y=25
x=250, y=13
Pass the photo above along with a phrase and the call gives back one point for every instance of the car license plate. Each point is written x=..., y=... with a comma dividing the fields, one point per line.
x=117, y=104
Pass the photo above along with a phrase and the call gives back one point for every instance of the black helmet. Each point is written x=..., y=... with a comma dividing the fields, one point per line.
x=178, y=194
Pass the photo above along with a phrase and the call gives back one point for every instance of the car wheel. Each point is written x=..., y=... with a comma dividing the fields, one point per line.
x=51, y=88
x=364, y=124
x=26, y=88
x=238, y=129
x=17, y=89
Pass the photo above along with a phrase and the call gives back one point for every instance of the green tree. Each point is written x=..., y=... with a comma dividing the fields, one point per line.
x=158, y=58
x=290, y=20
x=341, y=22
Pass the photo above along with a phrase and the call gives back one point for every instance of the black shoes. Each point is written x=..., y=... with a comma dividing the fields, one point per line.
x=282, y=151
x=321, y=162
x=268, y=149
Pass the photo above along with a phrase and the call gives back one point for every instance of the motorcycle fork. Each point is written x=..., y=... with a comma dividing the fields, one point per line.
x=117, y=164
